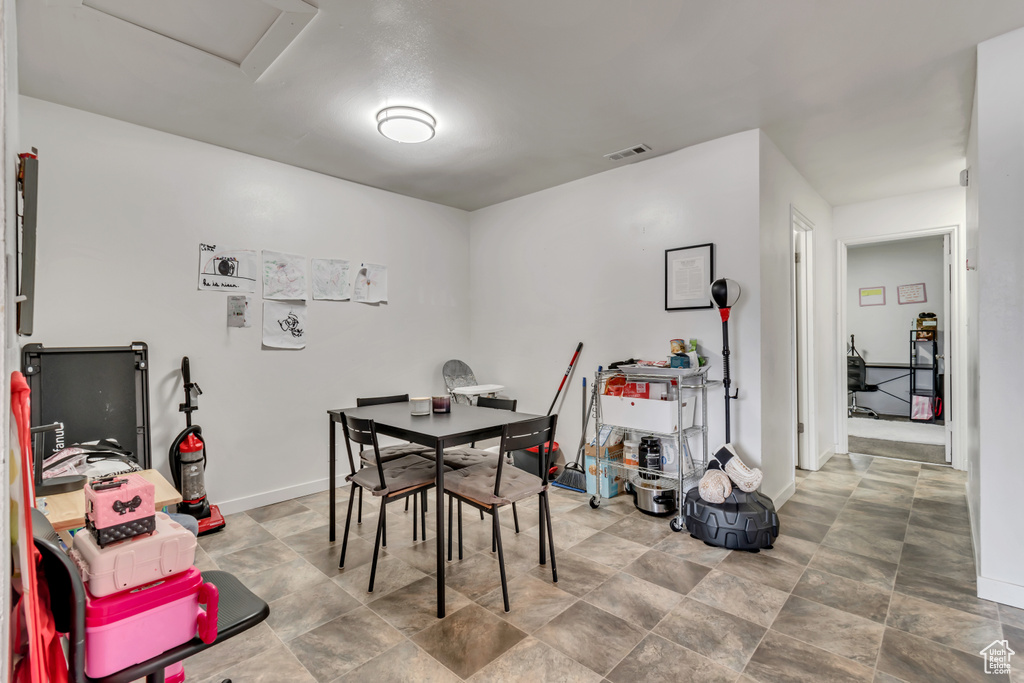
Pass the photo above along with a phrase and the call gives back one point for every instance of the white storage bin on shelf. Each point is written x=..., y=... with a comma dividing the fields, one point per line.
x=648, y=415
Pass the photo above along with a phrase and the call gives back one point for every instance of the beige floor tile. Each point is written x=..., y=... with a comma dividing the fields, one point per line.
x=723, y=638
x=404, y=662
x=297, y=613
x=740, y=597
x=576, y=574
x=781, y=658
x=763, y=568
x=269, y=666
x=641, y=603
x=532, y=660
x=412, y=608
x=848, y=595
x=956, y=629
x=533, y=602
x=342, y=644
x=658, y=659
x=830, y=629
x=472, y=638
x=869, y=570
x=667, y=571
x=609, y=550
x=918, y=660
x=595, y=638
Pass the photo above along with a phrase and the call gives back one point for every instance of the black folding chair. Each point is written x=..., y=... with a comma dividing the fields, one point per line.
x=390, y=481
x=482, y=486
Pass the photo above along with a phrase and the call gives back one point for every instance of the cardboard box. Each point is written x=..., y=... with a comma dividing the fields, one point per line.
x=611, y=481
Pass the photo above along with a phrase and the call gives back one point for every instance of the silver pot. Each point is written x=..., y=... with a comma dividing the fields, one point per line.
x=653, y=500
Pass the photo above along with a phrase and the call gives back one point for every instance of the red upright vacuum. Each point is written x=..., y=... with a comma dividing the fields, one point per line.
x=188, y=464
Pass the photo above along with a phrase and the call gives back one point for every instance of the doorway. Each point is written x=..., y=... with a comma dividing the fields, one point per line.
x=805, y=451
x=899, y=324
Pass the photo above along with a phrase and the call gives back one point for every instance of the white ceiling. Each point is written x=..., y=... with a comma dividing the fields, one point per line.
x=867, y=98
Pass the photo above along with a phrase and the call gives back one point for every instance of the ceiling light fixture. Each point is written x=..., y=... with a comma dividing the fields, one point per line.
x=405, y=124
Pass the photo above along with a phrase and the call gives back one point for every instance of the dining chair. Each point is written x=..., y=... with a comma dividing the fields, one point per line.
x=388, y=453
x=389, y=481
x=459, y=458
x=490, y=486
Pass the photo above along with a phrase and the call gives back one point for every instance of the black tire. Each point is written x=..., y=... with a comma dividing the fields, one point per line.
x=674, y=525
x=594, y=503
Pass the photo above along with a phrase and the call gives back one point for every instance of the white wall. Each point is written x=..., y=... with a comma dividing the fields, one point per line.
x=122, y=211
x=1000, y=177
x=782, y=187
x=899, y=215
x=9, y=146
x=882, y=331
x=585, y=261
x=972, y=339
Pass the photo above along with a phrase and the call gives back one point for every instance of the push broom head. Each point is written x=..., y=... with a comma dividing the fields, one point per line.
x=573, y=478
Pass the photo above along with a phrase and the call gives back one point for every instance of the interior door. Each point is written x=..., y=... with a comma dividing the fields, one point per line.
x=945, y=352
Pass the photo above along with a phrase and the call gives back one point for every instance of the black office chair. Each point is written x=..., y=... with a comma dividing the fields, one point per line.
x=238, y=610
x=857, y=381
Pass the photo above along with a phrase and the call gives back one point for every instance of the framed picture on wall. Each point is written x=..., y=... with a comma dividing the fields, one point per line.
x=911, y=294
x=872, y=296
x=689, y=272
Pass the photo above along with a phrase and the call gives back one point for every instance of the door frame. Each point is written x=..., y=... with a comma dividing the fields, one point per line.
x=802, y=316
x=955, y=337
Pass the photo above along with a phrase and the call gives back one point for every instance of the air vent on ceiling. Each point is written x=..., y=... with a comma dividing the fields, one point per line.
x=628, y=152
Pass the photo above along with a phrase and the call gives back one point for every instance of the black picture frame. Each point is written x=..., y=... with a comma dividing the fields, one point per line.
x=677, y=293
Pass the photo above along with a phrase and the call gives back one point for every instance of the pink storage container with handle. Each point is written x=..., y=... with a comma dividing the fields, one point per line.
x=120, y=507
x=169, y=550
x=132, y=626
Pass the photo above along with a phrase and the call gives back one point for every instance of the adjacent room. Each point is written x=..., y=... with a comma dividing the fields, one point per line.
x=453, y=341
x=896, y=347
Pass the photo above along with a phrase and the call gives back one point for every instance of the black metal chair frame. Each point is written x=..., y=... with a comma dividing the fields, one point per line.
x=518, y=436
x=67, y=602
x=376, y=401
x=364, y=432
x=509, y=404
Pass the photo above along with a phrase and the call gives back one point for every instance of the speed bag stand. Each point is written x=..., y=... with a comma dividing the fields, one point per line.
x=745, y=521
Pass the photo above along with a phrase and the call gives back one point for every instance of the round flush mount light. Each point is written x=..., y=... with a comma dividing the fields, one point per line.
x=405, y=124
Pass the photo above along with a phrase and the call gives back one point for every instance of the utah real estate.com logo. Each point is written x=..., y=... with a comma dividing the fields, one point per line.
x=997, y=657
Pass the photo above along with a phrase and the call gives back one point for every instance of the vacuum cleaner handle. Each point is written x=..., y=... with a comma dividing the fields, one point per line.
x=186, y=374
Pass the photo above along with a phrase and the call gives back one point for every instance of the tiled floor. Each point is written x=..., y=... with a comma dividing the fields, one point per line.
x=871, y=580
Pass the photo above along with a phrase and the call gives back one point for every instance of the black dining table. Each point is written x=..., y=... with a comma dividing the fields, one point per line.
x=463, y=425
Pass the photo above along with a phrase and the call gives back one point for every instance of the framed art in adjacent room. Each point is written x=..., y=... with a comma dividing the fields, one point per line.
x=689, y=272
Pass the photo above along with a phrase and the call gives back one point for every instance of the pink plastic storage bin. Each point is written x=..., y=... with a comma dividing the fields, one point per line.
x=119, y=507
x=132, y=626
x=169, y=550
x=175, y=673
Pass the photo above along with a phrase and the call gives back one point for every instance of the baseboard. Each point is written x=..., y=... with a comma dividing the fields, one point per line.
x=1000, y=591
x=787, y=492
x=824, y=457
x=228, y=507
x=970, y=520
